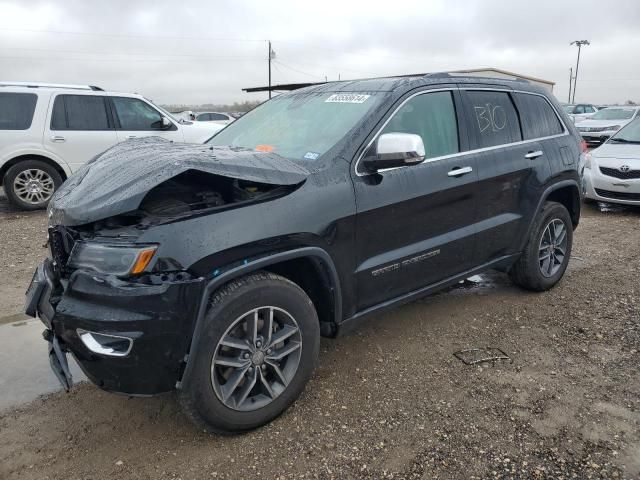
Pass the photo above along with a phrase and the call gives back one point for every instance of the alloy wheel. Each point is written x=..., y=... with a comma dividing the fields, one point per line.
x=552, y=248
x=256, y=358
x=33, y=186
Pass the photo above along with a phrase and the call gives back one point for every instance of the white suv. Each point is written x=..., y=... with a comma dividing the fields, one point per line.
x=49, y=131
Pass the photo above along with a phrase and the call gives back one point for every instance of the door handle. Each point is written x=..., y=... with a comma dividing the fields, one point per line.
x=58, y=138
x=459, y=171
x=131, y=136
x=532, y=155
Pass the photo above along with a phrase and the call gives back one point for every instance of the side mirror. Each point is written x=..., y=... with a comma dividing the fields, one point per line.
x=393, y=150
x=165, y=123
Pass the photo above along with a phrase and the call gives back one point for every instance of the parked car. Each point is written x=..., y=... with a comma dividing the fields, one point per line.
x=49, y=131
x=612, y=172
x=604, y=123
x=185, y=115
x=214, y=271
x=580, y=112
x=215, y=117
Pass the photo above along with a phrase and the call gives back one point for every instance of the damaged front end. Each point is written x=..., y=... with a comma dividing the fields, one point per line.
x=128, y=332
x=118, y=299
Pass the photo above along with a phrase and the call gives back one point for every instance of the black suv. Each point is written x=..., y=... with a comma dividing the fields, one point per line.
x=214, y=269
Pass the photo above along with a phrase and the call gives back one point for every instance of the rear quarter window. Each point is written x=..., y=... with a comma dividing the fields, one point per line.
x=16, y=110
x=494, y=118
x=537, y=116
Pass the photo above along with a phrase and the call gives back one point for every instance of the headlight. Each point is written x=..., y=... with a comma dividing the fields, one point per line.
x=120, y=260
x=587, y=160
x=612, y=127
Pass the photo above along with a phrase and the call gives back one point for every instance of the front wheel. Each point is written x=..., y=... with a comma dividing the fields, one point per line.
x=258, y=350
x=546, y=255
x=30, y=184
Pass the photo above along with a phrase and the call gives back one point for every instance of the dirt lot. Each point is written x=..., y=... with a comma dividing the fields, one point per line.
x=391, y=400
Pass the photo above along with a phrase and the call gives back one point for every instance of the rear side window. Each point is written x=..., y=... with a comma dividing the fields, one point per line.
x=16, y=110
x=494, y=118
x=79, y=112
x=537, y=117
x=433, y=117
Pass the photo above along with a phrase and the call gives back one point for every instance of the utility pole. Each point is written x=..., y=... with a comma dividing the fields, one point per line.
x=570, y=80
x=270, y=55
x=579, y=44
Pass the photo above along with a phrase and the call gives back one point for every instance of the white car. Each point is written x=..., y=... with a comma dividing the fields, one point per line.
x=612, y=171
x=48, y=131
x=605, y=123
x=580, y=112
x=214, y=117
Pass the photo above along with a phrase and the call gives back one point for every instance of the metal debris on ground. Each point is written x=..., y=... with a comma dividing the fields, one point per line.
x=612, y=207
x=473, y=356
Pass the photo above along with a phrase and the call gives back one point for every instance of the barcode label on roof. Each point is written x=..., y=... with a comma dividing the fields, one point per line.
x=347, y=98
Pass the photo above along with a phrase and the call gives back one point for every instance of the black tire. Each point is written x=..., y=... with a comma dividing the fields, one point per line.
x=527, y=271
x=23, y=167
x=197, y=395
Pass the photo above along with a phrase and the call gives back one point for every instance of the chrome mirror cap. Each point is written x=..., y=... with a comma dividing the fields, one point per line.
x=395, y=150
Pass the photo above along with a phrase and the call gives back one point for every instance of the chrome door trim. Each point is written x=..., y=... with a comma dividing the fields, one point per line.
x=460, y=154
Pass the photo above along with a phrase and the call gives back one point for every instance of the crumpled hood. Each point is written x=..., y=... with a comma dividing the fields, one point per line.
x=116, y=181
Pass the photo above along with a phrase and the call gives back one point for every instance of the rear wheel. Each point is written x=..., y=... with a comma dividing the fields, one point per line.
x=258, y=350
x=546, y=255
x=30, y=184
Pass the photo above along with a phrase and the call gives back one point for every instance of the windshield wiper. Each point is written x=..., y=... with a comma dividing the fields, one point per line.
x=623, y=140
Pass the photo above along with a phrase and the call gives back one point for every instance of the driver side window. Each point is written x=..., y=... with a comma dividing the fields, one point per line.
x=433, y=117
x=134, y=114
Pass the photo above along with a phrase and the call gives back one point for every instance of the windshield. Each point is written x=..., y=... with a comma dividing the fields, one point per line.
x=614, y=114
x=629, y=134
x=301, y=127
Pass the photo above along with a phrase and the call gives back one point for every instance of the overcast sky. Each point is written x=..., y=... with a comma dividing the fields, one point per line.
x=205, y=51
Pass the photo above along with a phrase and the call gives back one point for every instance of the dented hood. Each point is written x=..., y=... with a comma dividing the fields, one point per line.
x=116, y=181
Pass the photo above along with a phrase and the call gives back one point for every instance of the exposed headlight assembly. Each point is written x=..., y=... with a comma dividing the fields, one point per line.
x=119, y=260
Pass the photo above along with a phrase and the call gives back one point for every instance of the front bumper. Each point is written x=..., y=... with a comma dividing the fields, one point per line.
x=609, y=189
x=596, y=138
x=159, y=320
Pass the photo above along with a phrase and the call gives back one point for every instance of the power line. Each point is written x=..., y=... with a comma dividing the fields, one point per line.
x=126, y=60
x=296, y=70
x=80, y=52
x=221, y=39
x=129, y=35
x=328, y=67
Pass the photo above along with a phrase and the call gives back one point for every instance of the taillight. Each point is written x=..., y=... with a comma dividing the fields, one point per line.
x=583, y=146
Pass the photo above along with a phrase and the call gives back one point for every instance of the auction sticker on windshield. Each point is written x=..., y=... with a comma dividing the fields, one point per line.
x=347, y=98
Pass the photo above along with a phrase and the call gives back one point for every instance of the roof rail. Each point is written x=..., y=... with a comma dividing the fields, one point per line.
x=50, y=85
x=438, y=75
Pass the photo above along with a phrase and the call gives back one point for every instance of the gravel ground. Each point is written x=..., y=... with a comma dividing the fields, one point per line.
x=390, y=400
x=22, y=237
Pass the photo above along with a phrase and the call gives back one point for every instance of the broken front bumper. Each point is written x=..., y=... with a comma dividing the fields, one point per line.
x=93, y=316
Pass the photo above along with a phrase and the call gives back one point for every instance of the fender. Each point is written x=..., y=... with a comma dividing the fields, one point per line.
x=543, y=198
x=27, y=150
x=252, y=266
